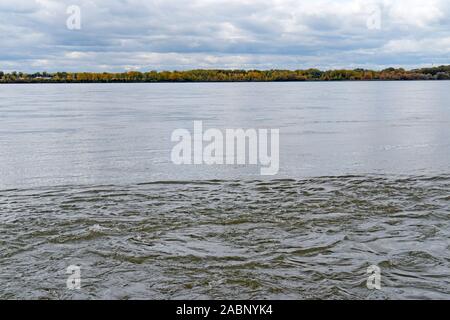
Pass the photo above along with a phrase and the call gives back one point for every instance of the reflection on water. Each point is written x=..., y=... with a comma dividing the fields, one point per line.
x=311, y=238
x=364, y=180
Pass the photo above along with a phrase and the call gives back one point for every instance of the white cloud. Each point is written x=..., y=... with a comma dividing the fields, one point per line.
x=416, y=13
x=417, y=46
x=76, y=55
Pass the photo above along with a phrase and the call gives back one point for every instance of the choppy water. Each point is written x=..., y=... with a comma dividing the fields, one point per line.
x=311, y=238
x=86, y=180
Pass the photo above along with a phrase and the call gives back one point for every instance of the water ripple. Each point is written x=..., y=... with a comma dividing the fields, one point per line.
x=293, y=239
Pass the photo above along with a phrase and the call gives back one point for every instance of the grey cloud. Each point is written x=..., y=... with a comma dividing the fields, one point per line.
x=176, y=34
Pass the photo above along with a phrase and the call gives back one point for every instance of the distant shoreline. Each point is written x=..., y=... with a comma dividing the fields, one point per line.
x=224, y=82
x=226, y=76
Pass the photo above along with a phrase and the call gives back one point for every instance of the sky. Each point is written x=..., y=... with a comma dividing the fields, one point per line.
x=120, y=35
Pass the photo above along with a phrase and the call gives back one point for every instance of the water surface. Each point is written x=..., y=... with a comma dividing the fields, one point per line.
x=120, y=133
x=86, y=179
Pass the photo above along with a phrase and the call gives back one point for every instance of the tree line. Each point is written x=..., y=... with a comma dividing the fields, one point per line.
x=206, y=75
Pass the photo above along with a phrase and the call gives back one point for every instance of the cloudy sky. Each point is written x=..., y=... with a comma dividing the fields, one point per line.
x=117, y=35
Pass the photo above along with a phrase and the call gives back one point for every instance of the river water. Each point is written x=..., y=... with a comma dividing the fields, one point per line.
x=86, y=179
